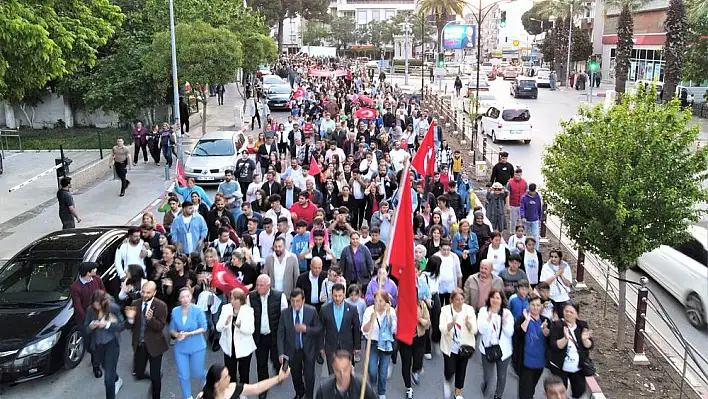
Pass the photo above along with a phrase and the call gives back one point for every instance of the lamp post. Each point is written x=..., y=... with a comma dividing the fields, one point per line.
x=406, y=29
x=422, y=59
x=175, y=84
x=570, y=38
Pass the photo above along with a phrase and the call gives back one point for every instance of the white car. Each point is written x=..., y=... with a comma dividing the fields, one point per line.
x=486, y=100
x=543, y=77
x=682, y=271
x=272, y=80
x=508, y=122
x=213, y=154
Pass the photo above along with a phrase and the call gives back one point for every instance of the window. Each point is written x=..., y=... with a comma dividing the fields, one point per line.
x=694, y=250
x=361, y=17
x=375, y=15
x=214, y=148
x=390, y=14
x=516, y=115
x=37, y=281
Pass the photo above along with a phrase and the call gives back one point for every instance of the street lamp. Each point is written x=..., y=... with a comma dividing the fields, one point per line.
x=570, y=38
x=175, y=84
x=406, y=30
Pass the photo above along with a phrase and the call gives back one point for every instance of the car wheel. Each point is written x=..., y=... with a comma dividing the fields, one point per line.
x=535, y=97
x=694, y=311
x=74, y=348
x=494, y=137
x=527, y=141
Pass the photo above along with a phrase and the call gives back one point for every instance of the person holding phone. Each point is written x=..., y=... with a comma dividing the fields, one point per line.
x=104, y=323
x=187, y=327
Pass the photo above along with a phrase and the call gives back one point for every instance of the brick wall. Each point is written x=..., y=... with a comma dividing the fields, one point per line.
x=645, y=22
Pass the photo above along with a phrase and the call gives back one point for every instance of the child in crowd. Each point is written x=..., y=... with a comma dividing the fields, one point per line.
x=354, y=298
x=516, y=241
x=365, y=236
x=457, y=164
x=334, y=276
x=520, y=300
x=544, y=291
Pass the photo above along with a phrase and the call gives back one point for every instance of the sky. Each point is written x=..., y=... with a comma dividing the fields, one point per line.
x=514, y=30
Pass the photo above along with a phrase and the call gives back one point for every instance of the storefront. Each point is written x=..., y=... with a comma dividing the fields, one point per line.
x=646, y=61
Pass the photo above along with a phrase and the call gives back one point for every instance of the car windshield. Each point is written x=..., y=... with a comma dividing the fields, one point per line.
x=272, y=80
x=280, y=90
x=527, y=83
x=214, y=148
x=37, y=281
x=516, y=115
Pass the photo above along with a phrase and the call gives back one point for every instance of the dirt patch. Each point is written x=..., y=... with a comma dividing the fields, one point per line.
x=617, y=375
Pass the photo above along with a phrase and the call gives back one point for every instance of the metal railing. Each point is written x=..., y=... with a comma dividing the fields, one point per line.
x=5, y=134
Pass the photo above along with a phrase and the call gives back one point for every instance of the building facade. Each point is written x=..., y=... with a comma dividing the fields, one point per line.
x=489, y=32
x=365, y=11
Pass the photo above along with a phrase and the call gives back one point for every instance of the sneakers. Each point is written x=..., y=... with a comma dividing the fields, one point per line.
x=357, y=358
x=119, y=384
x=447, y=389
x=459, y=397
x=389, y=372
x=382, y=396
x=428, y=356
x=415, y=377
x=409, y=393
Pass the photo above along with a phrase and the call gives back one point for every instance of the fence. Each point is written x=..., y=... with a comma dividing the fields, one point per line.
x=700, y=109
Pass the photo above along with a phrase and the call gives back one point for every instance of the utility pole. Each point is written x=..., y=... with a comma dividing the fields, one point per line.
x=175, y=85
x=422, y=60
x=570, y=39
x=406, y=28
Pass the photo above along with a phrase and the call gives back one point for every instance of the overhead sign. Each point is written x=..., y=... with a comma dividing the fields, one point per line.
x=459, y=36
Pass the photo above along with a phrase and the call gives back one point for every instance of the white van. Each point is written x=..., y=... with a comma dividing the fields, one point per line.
x=508, y=122
x=543, y=77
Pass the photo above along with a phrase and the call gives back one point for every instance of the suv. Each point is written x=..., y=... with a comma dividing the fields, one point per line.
x=509, y=122
x=524, y=87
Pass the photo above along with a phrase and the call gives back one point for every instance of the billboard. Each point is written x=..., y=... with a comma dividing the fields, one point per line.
x=459, y=36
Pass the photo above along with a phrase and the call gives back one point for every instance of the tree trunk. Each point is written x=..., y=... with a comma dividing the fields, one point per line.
x=280, y=37
x=625, y=36
x=621, y=308
x=676, y=26
x=10, y=120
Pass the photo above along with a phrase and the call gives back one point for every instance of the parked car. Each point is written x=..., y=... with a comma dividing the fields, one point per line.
x=491, y=75
x=263, y=70
x=543, y=77
x=682, y=270
x=279, y=97
x=213, y=154
x=524, y=87
x=40, y=334
x=486, y=100
x=270, y=81
x=508, y=122
x=510, y=73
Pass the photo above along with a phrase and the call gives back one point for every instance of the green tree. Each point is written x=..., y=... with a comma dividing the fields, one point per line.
x=581, y=49
x=205, y=55
x=343, y=31
x=315, y=33
x=395, y=27
x=535, y=20
x=440, y=10
x=697, y=9
x=275, y=12
x=625, y=36
x=625, y=181
x=676, y=25
x=695, y=66
x=44, y=41
x=377, y=33
x=259, y=48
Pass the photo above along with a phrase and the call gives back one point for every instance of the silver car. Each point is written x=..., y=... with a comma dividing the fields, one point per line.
x=213, y=154
x=272, y=80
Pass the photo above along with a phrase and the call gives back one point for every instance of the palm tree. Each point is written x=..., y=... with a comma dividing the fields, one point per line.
x=697, y=9
x=562, y=11
x=676, y=25
x=625, y=43
x=440, y=9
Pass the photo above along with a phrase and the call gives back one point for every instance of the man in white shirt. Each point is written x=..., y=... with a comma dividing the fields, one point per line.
x=327, y=124
x=398, y=156
x=334, y=150
x=132, y=252
x=278, y=211
x=282, y=268
x=266, y=238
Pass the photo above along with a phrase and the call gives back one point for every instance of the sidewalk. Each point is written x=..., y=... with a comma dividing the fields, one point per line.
x=37, y=213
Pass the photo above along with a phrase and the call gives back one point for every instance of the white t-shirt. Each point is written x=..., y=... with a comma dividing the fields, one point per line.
x=571, y=363
x=559, y=292
x=531, y=266
x=447, y=278
x=498, y=258
x=279, y=271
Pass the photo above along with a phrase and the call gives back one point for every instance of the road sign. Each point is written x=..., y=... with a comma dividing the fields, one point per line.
x=515, y=43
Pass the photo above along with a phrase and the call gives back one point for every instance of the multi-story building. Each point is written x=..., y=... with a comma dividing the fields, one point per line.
x=292, y=34
x=365, y=11
x=489, y=32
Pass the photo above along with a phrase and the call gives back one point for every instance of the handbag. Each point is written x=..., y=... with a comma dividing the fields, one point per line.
x=493, y=353
x=465, y=351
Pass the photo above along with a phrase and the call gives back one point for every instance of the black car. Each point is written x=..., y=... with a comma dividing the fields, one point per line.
x=40, y=334
x=279, y=97
x=524, y=87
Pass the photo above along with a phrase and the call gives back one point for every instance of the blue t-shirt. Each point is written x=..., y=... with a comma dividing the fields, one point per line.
x=299, y=245
x=535, y=345
x=229, y=189
x=517, y=305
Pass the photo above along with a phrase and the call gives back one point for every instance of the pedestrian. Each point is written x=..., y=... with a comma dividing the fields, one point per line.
x=67, y=207
x=341, y=327
x=496, y=205
x=496, y=327
x=598, y=78
x=219, y=386
x=183, y=116
x=236, y=325
x=81, y=292
x=431, y=275
x=495, y=252
x=220, y=90
x=379, y=326
x=344, y=384
x=120, y=160
x=252, y=111
x=531, y=213
x=310, y=282
x=458, y=85
x=149, y=342
x=516, y=187
x=104, y=323
x=132, y=251
x=554, y=388
x=502, y=170
x=298, y=342
x=140, y=141
x=186, y=192
x=458, y=326
x=244, y=169
x=286, y=265
x=569, y=344
x=412, y=355
x=557, y=274
x=530, y=340
x=167, y=142
x=267, y=305
x=187, y=326
x=465, y=246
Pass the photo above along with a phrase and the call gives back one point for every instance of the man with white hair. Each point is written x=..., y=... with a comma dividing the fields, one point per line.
x=267, y=305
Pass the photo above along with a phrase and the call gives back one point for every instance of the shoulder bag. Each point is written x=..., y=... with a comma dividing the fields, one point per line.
x=465, y=351
x=587, y=365
x=493, y=353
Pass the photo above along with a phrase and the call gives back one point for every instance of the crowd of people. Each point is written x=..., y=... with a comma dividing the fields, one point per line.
x=303, y=222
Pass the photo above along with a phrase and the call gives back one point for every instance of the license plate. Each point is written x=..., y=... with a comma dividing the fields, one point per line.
x=206, y=178
x=516, y=132
x=527, y=88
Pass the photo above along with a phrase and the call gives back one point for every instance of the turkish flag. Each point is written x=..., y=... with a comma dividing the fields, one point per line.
x=365, y=113
x=424, y=159
x=187, y=87
x=223, y=279
x=314, y=169
x=299, y=93
x=402, y=263
x=181, y=180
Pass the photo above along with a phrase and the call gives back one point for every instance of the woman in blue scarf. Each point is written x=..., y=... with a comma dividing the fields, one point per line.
x=379, y=325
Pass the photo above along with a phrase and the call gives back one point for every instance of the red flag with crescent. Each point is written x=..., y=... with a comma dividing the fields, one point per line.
x=314, y=168
x=179, y=172
x=365, y=113
x=424, y=159
x=223, y=279
x=299, y=93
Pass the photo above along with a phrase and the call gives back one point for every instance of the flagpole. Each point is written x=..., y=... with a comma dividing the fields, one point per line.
x=367, y=355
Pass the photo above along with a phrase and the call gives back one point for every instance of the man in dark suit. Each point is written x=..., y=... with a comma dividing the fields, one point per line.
x=340, y=323
x=298, y=336
x=289, y=193
x=270, y=186
x=147, y=318
x=265, y=149
x=310, y=283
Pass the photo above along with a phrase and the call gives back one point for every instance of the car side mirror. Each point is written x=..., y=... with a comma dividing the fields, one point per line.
x=187, y=152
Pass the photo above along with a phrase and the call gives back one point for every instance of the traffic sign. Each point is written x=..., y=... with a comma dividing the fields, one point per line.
x=515, y=43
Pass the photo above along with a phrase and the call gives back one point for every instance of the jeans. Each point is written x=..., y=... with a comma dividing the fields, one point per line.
x=167, y=152
x=190, y=365
x=488, y=370
x=455, y=366
x=533, y=230
x=411, y=358
x=107, y=354
x=514, y=218
x=378, y=368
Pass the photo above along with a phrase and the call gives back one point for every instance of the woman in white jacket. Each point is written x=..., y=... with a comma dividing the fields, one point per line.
x=236, y=325
x=458, y=327
x=496, y=327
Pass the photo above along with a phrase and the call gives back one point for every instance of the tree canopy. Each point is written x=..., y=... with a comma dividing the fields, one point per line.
x=695, y=65
x=275, y=12
x=530, y=20
x=44, y=41
x=625, y=181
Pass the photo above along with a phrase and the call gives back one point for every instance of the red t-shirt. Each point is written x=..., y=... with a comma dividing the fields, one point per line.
x=307, y=214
